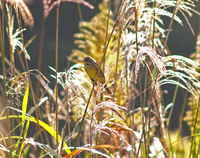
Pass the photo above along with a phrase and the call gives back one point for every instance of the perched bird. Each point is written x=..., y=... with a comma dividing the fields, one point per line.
x=91, y=68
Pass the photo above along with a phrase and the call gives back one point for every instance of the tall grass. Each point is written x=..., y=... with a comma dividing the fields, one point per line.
x=131, y=47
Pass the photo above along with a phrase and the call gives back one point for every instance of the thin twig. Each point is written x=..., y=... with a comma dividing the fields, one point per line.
x=40, y=56
x=170, y=26
x=56, y=65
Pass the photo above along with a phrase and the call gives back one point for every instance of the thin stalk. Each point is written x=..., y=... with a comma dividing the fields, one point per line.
x=139, y=78
x=139, y=72
x=170, y=26
x=56, y=65
x=99, y=118
x=81, y=20
x=147, y=116
x=117, y=53
x=76, y=143
x=118, y=47
x=144, y=104
x=195, y=125
x=104, y=62
x=169, y=118
x=40, y=56
x=144, y=101
x=136, y=30
x=4, y=77
x=163, y=104
x=107, y=32
x=198, y=150
x=149, y=122
x=154, y=21
x=181, y=119
x=12, y=59
x=67, y=121
x=21, y=62
x=97, y=135
x=87, y=50
x=68, y=116
x=65, y=127
x=153, y=36
x=40, y=60
x=146, y=75
x=143, y=121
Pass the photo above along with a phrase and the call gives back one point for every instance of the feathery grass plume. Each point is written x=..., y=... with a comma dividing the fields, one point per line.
x=182, y=68
x=48, y=5
x=155, y=58
x=186, y=6
x=109, y=105
x=76, y=81
x=149, y=20
x=14, y=41
x=104, y=127
x=24, y=11
x=110, y=124
x=179, y=5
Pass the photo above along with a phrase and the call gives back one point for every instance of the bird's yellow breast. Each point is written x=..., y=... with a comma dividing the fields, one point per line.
x=92, y=71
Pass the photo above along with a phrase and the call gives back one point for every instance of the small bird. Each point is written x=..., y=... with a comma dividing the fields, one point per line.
x=91, y=68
